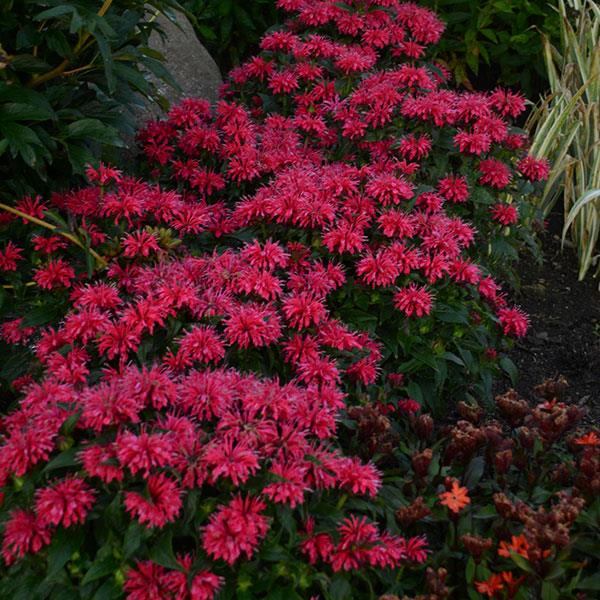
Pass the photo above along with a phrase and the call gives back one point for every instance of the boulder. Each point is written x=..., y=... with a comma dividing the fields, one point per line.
x=187, y=60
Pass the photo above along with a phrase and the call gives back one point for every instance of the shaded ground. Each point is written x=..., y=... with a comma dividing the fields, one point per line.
x=564, y=337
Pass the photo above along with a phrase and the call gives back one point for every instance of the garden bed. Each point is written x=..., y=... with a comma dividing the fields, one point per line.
x=564, y=337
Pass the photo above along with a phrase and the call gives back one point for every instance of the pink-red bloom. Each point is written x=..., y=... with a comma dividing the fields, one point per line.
x=65, y=503
x=162, y=504
x=235, y=529
x=514, y=321
x=414, y=301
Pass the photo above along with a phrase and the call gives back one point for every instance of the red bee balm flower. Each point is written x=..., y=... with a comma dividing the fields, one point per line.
x=162, y=506
x=235, y=529
x=494, y=173
x=514, y=321
x=55, y=274
x=413, y=301
x=66, y=503
x=534, y=169
x=505, y=214
x=23, y=533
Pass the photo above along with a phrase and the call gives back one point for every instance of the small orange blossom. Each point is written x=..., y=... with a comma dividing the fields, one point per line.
x=589, y=439
x=455, y=499
x=490, y=586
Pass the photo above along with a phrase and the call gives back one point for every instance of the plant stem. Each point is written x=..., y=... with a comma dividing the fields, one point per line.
x=12, y=287
x=74, y=239
x=37, y=80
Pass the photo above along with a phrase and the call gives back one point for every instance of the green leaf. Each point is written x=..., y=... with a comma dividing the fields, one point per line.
x=101, y=568
x=340, y=589
x=132, y=540
x=21, y=139
x=19, y=111
x=280, y=593
x=589, y=583
x=474, y=472
x=51, y=13
x=161, y=552
x=509, y=367
x=107, y=59
x=64, y=543
x=448, y=314
x=41, y=315
x=85, y=129
x=549, y=592
x=68, y=458
x=521, y=562
x=470, y=570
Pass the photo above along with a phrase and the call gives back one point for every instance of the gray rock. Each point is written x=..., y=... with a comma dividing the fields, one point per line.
x=189, y=63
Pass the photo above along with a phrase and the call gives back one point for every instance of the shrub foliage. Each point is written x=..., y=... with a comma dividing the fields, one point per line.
x=68, y=73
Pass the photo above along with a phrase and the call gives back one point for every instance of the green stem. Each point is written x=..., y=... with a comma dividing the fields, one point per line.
x=101, y=261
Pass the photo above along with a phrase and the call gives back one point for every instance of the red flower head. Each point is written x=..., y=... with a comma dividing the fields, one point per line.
x=66, y=503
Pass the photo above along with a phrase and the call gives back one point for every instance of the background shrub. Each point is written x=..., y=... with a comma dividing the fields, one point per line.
x=490, y=43
x=420, y=155
x=69, y=73
x=231, y=29
x=497, y=42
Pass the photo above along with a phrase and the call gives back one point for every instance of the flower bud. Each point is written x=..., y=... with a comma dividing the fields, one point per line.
x=424, y=426
x=502, y=461
x=421, y=461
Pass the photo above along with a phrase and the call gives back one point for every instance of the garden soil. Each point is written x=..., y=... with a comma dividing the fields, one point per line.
x=564, y=335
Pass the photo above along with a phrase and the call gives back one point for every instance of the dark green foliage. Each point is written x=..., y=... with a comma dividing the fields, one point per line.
x=231, y=29
x=496, y=41
x=69, y=72
x=488, y=43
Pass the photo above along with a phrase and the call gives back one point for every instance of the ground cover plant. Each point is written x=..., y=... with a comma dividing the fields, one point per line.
x=230, y=379
x=508, y=499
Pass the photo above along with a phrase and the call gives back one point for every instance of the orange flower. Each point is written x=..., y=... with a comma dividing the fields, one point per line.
x=456, y=499
x=519, y=545
x=512, y=584
x=589, y=439
x=489, y=587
